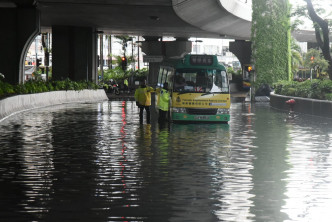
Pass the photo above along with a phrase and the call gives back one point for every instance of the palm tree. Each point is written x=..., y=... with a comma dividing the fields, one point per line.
x=296, y=59
x=124, y=39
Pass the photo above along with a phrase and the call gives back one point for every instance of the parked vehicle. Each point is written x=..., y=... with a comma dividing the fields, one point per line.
x=113, y=87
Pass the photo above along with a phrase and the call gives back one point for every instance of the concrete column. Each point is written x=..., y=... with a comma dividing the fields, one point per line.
x=74, y=53
x=178, y=48
x=242, y=50
x=19, y=27
x=155, y=48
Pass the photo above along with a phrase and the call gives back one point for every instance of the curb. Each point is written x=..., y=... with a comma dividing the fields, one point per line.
x=19, y=103
x=314, y=107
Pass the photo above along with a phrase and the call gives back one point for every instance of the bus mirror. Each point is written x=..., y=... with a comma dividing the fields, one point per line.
x=230, y=76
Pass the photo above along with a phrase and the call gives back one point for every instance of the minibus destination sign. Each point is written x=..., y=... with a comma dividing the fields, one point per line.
x=205, y=60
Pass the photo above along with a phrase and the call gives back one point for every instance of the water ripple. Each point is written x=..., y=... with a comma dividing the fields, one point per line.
x=94, y=162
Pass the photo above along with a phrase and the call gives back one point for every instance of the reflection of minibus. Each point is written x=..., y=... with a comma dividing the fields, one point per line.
x=199, y=88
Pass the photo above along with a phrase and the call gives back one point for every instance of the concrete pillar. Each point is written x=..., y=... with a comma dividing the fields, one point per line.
x=242, y=50
x=19, y=27
x=74, y=53
x=153, y=47
x=160, y=50
x=178, y=48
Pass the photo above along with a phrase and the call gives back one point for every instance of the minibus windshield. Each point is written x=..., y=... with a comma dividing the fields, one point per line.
x=201, y=81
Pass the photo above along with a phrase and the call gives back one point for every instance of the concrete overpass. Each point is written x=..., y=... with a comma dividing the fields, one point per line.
x=75, y=24
x=177, y=18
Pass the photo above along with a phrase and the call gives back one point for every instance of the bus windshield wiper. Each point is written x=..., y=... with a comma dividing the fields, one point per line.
x=183, y=92
x=207, y=93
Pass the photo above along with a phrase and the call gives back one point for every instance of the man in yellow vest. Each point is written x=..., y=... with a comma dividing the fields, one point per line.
x=163, y=103
x=143, y=101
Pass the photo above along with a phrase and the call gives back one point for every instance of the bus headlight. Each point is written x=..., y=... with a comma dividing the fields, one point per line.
x=178, y=110
x=223, y=111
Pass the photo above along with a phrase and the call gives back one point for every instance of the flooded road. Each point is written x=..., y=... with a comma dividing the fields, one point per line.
x=94, y=162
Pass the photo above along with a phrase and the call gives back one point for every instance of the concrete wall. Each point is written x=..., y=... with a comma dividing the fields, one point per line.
x=20, y=103
x=303, y=105
x=18, y=26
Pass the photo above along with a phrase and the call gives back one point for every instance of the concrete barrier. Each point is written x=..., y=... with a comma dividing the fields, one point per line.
x=303, y=105
x=14, y=104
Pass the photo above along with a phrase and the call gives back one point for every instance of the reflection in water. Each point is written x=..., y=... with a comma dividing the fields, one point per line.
x=309, y=189
x=235, y=163
x=269, y=165
x=94, y=162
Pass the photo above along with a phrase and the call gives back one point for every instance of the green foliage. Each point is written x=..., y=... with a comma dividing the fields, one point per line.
x=130, y=59
x=328, y=96
x=38, y=86
x=5, y=89
x=67, y=84
x=315, y=89
x=123, y=39
x=271, y=41
x=140, y=74
x=296, y=58
x=31, y=87
x=119, y=75
x=313, y=59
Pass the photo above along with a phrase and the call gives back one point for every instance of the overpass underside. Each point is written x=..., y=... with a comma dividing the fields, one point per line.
x=75, y=25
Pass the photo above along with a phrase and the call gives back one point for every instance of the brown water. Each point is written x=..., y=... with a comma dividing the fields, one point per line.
x=94, y=162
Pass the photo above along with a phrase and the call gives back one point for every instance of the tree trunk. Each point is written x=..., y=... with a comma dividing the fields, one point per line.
x=321, y=26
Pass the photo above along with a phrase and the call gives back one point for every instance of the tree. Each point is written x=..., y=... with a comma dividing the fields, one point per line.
x=321, y=27
x=313, y=60
x=296, y=59
x=130, y=59
x=110, y=58
x=47, y=50
x=124, y=39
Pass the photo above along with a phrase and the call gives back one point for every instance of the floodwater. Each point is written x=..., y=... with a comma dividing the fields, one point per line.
x=94, y=162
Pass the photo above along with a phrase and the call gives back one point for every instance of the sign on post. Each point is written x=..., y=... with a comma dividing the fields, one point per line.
x=153, y=58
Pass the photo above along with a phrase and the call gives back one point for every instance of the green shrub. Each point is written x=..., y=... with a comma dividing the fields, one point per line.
x=303, y=89
x=289, y=91
x=6, y=88
x=38, y=86
x=328, y=96
x=316, y=89
x=326, y=86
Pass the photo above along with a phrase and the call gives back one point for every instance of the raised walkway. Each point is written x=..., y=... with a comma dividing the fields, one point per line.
x=19, y=103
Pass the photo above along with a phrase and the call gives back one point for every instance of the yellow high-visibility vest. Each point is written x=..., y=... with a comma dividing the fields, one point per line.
x=163, y=101
x=143, y=95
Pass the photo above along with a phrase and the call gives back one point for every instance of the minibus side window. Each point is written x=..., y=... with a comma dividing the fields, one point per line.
x=160, y=76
